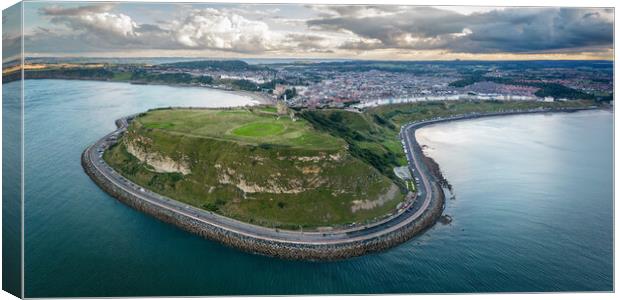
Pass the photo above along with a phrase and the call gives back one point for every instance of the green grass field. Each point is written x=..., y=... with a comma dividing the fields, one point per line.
x=122, y=76
x=268, y=109
x=253, y=166
x=260, y=129
x=245, y=126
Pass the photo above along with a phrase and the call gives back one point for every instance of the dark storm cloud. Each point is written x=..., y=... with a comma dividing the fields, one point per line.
x=527, y=30
x=509, y=30
x=388, y=24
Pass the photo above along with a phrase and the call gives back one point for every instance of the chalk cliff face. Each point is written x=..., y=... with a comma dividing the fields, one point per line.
x=379, y=201
x=160, y=163
x=247, y=176
x=263, y=184
x=275, y=184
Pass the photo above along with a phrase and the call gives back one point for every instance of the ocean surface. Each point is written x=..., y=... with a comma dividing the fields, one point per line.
x=533, y=211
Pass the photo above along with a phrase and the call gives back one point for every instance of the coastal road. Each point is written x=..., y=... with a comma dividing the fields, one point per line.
x=410, y=212
x=429, y=195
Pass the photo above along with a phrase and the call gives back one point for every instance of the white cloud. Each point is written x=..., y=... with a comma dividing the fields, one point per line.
x=118, y=24
x=95, y=20
x=339, y=29
x=468, y=10
x=211, y=28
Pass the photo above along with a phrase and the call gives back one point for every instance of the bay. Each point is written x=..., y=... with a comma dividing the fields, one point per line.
x=533, y=211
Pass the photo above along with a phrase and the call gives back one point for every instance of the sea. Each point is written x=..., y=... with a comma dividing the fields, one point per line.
x=531, y=208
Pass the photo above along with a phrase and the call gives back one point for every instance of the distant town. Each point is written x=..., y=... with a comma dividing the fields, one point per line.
x=351, y=84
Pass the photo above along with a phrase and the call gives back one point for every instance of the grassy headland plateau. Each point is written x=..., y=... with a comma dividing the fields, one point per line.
x=308, y=168
x=254, y=166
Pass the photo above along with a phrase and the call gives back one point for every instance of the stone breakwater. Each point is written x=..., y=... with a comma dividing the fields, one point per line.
x=286, y=249
x=280, y=249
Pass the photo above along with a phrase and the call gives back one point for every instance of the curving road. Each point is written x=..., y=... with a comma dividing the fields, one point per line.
x=413, y=210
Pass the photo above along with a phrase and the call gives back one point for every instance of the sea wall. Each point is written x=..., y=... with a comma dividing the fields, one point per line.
x=301, y=250
x=286, y=250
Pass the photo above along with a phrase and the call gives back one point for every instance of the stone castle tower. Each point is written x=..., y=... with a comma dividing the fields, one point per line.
x=281, y=107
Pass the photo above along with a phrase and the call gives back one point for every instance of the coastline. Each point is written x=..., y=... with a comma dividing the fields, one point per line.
x=260, y=99
x=285, y=244
x=299, y=247
x=435, y=168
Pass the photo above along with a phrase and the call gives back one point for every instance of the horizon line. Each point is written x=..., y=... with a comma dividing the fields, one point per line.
x=306, y=58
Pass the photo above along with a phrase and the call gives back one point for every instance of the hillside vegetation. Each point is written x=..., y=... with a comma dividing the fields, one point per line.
x=254, y=166
x=322, y=168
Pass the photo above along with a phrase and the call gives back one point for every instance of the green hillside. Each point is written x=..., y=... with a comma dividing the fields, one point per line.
x=315, y=168
x=254, y=166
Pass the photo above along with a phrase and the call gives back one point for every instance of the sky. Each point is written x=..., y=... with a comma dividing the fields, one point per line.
x=224, y=30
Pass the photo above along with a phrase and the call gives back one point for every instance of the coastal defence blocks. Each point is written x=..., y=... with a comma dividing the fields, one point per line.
x=280, y=249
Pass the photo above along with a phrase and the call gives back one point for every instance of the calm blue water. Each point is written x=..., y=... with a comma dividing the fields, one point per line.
x=533, y=211
x=11, y=188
